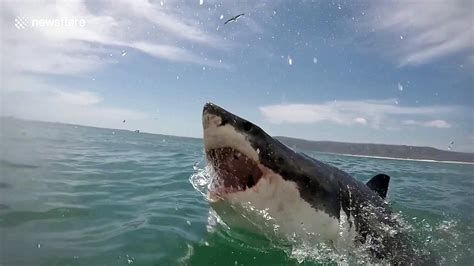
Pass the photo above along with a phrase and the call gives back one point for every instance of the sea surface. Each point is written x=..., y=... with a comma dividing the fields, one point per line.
x=74, y=195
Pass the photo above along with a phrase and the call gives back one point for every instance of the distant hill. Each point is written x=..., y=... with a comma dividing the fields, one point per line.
x=379, y=150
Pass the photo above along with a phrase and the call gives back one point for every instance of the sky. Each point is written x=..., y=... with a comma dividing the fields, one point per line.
x=396, y=72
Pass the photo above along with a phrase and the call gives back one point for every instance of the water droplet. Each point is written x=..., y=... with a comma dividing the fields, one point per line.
x=201, y=2
x=130, y=259
x=290, y=61
x=339, y=6
x=162, y=3
x=188, y=222
x=124, y=53
x=177, y=77
x=203, y=68
x=400, y=86
x=396, y=101
x=315, y=60
x=221, y=17
x=206, y=243
x=258, y=151
x=39, y=245
x=401, y=37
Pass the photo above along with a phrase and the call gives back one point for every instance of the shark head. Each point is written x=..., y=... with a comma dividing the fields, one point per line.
x=251, y=167
x=240, y=152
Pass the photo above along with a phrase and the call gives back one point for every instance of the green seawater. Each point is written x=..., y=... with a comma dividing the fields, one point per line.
x=74, y=195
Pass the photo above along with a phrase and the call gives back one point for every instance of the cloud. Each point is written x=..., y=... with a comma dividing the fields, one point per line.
x=76, y=98
x=109, y=27
x=171, y=20
x=360, y=120
x=69, y=106
x=432, y=123
x=173, y=53
x=373, y=113
x=423, y=31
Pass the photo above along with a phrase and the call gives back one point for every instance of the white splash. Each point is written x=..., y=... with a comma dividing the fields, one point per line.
x=400, y=86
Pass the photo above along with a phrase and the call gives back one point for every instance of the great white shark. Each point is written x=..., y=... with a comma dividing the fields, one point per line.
x=260, y=182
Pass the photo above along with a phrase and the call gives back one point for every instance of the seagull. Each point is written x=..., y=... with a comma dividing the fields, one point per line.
x=234, y=18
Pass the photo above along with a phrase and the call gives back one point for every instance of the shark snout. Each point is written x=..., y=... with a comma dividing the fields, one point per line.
x=210, y=116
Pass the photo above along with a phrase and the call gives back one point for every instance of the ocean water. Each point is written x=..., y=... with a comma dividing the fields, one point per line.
x=73, y=195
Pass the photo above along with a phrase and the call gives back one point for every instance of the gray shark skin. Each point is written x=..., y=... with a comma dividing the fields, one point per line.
x=245, y=157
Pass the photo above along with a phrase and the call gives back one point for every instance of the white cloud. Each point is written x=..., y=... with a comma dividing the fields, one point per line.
x=109, y=28
x=77, y=107
x=174, y=53
x=373, y=113
x=433, y=123
x=171, y=20
x=424, y=31
x=360, y=120
x=76, y=98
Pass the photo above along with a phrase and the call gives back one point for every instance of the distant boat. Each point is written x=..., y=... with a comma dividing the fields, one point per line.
x=137, y=131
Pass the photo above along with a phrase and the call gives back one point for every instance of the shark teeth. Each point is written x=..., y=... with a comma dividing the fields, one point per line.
x=234, y=170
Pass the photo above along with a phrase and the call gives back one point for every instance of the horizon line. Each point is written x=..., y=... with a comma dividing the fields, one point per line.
x=188, y=137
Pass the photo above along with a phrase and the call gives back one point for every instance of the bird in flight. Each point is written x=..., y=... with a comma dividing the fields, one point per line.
x=234, y=18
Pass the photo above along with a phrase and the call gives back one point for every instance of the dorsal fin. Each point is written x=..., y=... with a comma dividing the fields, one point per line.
x=379, y=184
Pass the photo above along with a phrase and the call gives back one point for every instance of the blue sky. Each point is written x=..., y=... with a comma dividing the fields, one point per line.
x=399, y=72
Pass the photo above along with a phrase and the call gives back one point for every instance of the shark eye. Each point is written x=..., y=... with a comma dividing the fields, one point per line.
x=247, y=126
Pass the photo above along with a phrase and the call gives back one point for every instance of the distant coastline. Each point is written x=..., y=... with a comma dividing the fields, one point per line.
x=397, y=159
x=381, y=151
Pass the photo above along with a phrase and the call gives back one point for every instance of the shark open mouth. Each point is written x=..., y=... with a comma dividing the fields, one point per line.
x=235, y=171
